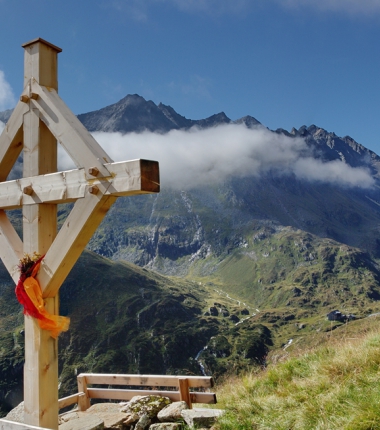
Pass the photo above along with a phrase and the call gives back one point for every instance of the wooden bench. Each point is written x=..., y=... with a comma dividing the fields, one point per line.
x=180, y=388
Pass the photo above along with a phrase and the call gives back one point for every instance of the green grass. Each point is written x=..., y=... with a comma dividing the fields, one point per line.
x=334, y=386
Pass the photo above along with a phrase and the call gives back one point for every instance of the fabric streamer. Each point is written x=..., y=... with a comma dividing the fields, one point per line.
x=29, y=294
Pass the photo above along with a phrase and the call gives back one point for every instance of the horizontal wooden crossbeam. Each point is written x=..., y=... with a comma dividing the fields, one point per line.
x=146, y=380
x=126, y=395
x=125, y=178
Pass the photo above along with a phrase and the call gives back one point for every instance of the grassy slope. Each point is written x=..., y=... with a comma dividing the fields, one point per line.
x=295, y=278
x=126, y=319
x=335, y=385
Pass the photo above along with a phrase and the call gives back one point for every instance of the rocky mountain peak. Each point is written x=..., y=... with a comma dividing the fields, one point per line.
x=248, y=121
x=214, y=120
x=131, y=114
x=131, y=99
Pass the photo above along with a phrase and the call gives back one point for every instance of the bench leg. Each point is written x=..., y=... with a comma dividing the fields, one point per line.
x=184, y=392
x=83, y=401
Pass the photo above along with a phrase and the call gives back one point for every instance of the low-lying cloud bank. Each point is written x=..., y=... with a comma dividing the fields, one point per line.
x=201, y=157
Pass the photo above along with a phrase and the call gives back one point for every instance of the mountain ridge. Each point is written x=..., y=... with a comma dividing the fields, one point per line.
x=135, y=114
x=220, y=273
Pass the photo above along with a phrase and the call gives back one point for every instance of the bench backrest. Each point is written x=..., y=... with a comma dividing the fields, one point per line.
x=180, y=388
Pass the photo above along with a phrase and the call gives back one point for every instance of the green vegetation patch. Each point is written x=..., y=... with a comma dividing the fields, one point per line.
x=334, y=386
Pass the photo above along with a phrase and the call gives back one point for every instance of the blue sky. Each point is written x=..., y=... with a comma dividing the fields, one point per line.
x=285, y=62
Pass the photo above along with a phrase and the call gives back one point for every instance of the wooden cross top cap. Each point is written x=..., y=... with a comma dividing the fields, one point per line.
x=40, y=40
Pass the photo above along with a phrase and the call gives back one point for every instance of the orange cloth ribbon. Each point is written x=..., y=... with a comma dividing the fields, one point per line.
x=29, y=294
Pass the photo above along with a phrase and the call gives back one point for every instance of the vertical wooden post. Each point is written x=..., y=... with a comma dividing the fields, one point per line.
x=39, y=231
x=184, y=393
x=84, y=401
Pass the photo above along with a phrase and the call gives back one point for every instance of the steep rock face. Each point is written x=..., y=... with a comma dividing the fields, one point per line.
x=132, y=113
x=329, y=146
x=178, y=121
x=197, y=228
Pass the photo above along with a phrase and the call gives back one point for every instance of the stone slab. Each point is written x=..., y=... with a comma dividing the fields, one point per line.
x=87, y=422
x=199, y=417
x=104, y=407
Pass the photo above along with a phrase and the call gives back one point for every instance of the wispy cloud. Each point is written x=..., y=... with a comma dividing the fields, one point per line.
x=7, y=99
x=351, y=7
x=133, y=9
x=192, y=158
x=139, y=10
x=211, y=6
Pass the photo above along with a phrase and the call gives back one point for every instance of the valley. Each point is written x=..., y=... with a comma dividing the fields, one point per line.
x=217, y=279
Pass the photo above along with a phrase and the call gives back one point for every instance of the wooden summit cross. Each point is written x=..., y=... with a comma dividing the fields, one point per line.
x=39, y=120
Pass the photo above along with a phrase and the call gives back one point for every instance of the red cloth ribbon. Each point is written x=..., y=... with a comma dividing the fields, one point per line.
x=29, y=294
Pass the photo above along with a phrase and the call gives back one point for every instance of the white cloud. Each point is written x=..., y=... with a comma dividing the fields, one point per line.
x=2, y=125
x=135, y=9
x=197, y=157
x=7, y=99
x=210, y=6
x=352, y=7
x=139, y=9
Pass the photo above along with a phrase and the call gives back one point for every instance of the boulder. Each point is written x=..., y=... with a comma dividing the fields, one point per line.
x=146, y=405
x=172, y=412
x=200, y=417
x=16, y=414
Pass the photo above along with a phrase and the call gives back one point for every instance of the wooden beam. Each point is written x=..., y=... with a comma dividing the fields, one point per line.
x=126, y=178
x=11, y=246
x=70, y=400
x=72, y=238
x=134, y=177
x=83, y=149
x=118, y=394
x=146, y=380
x=11, y=140
x=39, y=231
x=184, y=394
x=84, y=401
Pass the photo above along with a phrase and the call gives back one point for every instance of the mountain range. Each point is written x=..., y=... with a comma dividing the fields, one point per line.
x=209, y=278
